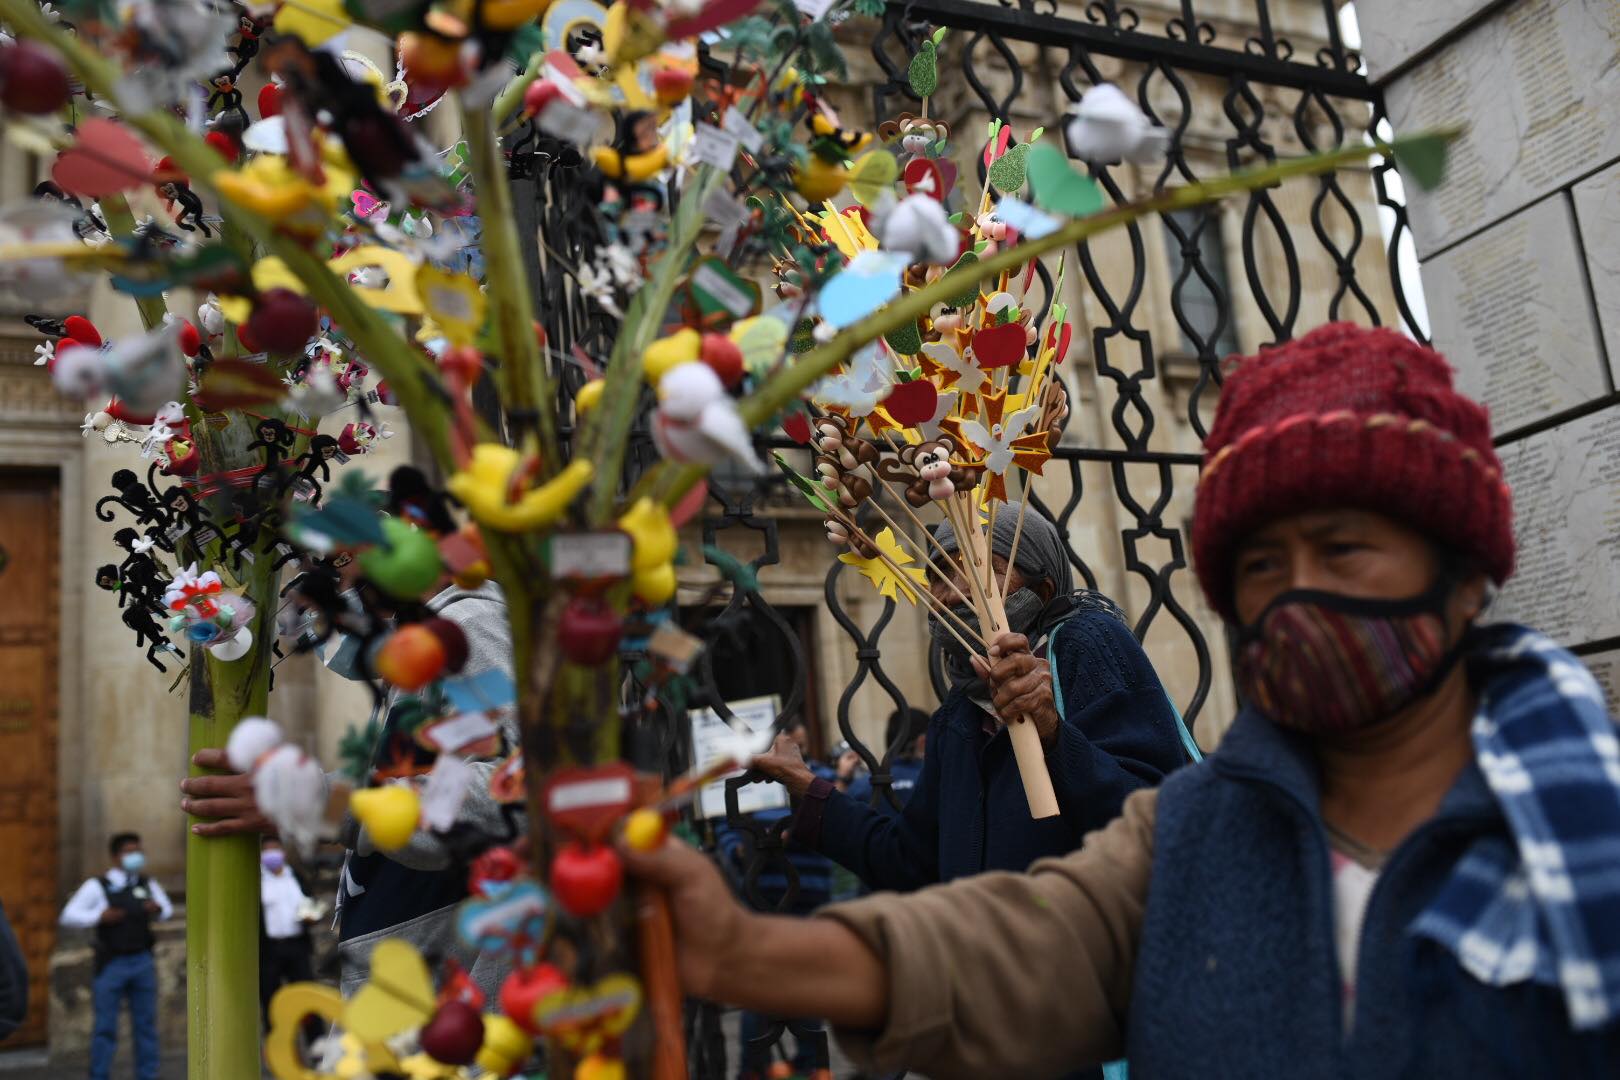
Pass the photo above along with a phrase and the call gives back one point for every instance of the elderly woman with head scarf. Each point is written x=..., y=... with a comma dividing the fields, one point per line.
x=1070, y=666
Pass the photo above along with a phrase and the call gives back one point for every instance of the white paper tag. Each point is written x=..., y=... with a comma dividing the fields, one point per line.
x=730, y=296
x=602, y=791
x=463, y=729
x=724, y=208
x=813, y=8
x=590, y=555
x=736, y=122
x=446, y=787
x=569, y=122
x=714, y=147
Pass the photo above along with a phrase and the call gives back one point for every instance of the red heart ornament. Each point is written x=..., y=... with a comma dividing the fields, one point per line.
x=999, y=346
x=106, y=158
x=1062, y=337
x=911, y=403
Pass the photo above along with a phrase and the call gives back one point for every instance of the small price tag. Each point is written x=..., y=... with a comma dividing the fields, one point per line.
x=340, y=457
x=247, y=556
x=177, y=530
x=736, y=123
x=590, y=556
x=455, y=733
x=674, y=646
x=443, y=793
x=815, y=9
x=714, y=147
x=724, y=208
x=569, y=122
x=284, y=549
x=207, y=535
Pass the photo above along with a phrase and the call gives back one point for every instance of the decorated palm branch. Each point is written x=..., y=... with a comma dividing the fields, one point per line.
x=306, y=255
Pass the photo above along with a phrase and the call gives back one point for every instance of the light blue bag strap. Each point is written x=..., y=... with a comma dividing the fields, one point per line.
x=1187, y=742
x=1116, y=1070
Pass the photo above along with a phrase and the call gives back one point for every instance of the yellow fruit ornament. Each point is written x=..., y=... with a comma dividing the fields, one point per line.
x=681, y=347
x=819, y=179
x=389, y=814
x=511, y=14
x=506, y=1046
x=599, y=1067
x=485, y=485
x=644, y=829
x=589, y=396
x=652, y=564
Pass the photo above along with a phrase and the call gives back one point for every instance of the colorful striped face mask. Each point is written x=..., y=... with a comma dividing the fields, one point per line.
x=1322, y=662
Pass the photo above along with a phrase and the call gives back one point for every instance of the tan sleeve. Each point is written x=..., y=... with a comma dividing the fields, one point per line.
x=1025, y=975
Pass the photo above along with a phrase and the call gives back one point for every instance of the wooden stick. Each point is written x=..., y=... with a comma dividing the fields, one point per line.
x=1026, y=741
x=941, y=575
x=943, y=610
x=1018, y=534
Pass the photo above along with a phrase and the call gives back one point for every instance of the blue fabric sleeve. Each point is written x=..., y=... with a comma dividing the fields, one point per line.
x=1118, y=730
x=888, y=850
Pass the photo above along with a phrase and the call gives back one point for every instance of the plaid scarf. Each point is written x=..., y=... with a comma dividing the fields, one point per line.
x=1544, y=903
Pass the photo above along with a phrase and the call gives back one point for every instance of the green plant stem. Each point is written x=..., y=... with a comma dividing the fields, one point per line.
x=507, y=101
x=790, y=382
x=222, y=873
x=607, y=429
x=525, y=377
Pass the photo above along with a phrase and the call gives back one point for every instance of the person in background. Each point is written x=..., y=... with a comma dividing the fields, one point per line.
x=121, y=906
x=813, y=876
x=1401, y=861
x=285, y=950
x=905, y=768
x=13, y=980
x=1071, y=666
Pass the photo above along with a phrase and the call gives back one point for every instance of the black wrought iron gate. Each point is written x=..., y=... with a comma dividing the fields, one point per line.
x=1233, y=90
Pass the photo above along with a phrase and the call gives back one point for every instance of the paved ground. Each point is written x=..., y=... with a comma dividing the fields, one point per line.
x=30, y=1065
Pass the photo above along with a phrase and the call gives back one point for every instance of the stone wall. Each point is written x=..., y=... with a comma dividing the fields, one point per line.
x=1520, y=253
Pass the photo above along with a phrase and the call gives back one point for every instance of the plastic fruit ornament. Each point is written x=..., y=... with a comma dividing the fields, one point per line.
x=485, y=484
x=431, y=62
x=506, y=1046
x=454, y=640
x=589, y=396
x=454, y=1035
x=724, y=357
x=406, y=564
x=32, y=79
x=671, y=85
x=588, y=632
x=644, y=829
x=412, y=657
x=652, y=562
x=599, y=1067
x=526, y=988
x=585, y=878
x=681, y=347
x=819, y=179
x=282, y=321
x=389, y=813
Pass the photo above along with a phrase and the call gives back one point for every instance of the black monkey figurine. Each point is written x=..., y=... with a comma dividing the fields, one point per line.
x=275, y=438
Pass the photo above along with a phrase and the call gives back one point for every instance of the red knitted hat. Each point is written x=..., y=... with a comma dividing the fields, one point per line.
x=1347, y=416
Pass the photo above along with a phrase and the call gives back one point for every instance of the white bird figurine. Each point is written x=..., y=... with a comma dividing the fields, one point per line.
x=919, y=226
x=970, y=377
x=996, y=442
x=1105, y=126
x=288, y=784
x=861, y=387
x=697, y=421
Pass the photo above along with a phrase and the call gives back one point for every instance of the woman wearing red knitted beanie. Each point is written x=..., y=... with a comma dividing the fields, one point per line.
x=1402, y=861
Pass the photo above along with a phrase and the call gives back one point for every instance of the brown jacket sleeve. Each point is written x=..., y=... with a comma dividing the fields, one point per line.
x=1024, y=975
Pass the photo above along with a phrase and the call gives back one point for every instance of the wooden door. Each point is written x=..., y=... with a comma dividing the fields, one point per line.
x=29, y=603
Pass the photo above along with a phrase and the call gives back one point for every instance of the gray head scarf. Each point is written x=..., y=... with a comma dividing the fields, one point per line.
x=1040, y=550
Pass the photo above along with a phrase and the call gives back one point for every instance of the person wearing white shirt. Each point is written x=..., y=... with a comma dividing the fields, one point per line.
x=121, y=906
x=284, y=946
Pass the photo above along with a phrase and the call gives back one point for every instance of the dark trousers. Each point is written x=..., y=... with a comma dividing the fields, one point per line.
x=282, y=961
x=133, y=979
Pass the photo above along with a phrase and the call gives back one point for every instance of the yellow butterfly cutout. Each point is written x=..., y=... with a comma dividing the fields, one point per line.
x=397, y=997
x=879, y=573
x=295, y=1002
x=400, y=294
x=453, y=300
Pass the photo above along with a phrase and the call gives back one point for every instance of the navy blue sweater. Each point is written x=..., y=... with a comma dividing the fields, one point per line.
x=1236, y=973
x=967, y=812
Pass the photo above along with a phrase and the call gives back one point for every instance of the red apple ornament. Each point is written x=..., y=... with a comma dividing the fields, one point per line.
x=911, y=403
x=526, y=988
x=412, y=657
x=282, y=321
x=589, y=631
x=32, y=79
x=585, y=878
x=723, y=357
x=454, y=1035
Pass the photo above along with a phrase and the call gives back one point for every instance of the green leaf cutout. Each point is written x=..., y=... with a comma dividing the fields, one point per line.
x=924, y=70
x=1009, y=171
x=801, y=484
x=905, y=340
x=968, y=297
x=1058, y=187
x=1422, y=159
